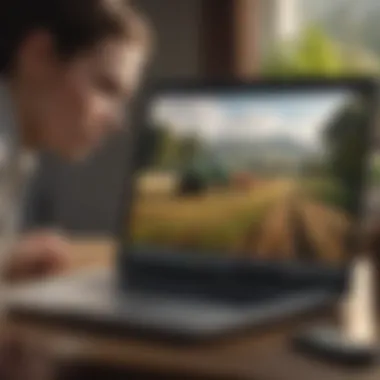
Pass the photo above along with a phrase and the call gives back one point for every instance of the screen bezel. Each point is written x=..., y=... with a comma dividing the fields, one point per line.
x=366, y=86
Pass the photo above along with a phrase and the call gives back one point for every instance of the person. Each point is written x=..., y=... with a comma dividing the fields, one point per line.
x=67, y=70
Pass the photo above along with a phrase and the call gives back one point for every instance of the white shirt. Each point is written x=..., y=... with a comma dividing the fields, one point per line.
x=16, y=169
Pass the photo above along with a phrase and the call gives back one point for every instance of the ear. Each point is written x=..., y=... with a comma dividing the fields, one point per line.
x=37, y=55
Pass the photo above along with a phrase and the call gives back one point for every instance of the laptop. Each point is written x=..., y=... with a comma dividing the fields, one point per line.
x=241, y=208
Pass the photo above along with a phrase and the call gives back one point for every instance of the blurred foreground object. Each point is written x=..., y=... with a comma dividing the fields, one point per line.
x=24, y=358
x=359, y=313
x=354, y=340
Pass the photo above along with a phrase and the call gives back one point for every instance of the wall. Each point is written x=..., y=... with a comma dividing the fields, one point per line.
x=87, y=195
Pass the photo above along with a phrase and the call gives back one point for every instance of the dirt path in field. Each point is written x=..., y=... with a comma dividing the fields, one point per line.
x=273, y=239
x=295, y=225
x=327, y=230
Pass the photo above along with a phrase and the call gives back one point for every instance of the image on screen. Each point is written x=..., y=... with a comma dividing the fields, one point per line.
x=271, y=175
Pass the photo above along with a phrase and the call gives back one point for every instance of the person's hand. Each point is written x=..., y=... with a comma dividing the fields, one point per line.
x=38, y=254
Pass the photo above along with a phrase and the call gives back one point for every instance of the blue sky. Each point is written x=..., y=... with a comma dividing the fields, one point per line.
x=301, y=116
x=284, y=105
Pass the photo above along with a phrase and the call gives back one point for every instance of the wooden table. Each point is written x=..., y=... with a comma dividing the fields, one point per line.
x=263, y=355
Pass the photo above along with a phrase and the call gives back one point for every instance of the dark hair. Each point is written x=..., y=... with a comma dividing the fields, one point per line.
x=76, y=25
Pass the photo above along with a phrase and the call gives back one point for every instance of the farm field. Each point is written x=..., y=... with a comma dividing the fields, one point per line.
x=266, y=221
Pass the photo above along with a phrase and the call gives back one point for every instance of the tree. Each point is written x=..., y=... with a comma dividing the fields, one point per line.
x=189, y=148
x=347, y=143
x=168, y=148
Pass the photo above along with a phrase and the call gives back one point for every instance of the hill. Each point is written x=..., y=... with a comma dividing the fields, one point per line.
x=274, y=152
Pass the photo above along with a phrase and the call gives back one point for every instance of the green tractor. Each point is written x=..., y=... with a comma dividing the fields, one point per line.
x=197, y=177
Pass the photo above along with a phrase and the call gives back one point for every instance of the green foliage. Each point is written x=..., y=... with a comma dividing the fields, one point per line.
x=188, y=149
x=347, y=144
x=313, y=54
x=346, y=140
x=167, y=148
x=172, y=151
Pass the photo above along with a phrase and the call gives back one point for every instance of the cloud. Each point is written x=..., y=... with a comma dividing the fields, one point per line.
x=214, y=118
x=202, y=116
x=252, y=125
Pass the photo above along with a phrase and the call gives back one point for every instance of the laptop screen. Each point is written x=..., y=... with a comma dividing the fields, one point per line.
x=272, y=174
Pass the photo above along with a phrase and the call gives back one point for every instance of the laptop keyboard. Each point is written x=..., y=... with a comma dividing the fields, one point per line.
x=96, y=298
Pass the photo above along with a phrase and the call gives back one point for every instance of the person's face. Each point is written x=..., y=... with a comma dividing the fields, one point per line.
x=76, y=104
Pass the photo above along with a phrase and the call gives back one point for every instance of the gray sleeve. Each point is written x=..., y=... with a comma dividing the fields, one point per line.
x=39, y=206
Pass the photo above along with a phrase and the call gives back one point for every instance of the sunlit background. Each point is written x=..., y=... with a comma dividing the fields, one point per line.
x=320, y=37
